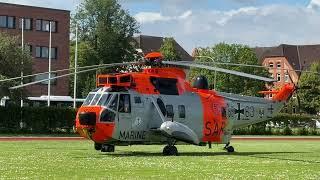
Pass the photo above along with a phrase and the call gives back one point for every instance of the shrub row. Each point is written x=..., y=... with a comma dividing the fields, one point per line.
x=36, y=120
x=282, y=124
x=46, y=120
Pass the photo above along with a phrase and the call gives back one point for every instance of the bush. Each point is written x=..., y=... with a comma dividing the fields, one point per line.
x=289, y=124
x=287, y=131
x=36, y=120
x=303, y=131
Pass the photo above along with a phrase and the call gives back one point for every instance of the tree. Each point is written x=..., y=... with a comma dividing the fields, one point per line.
x=86, y=57
x=233, y=53
x=108, y=29
x=310, y=97
x=11, y=56
x=169, y=51
x=105, y=35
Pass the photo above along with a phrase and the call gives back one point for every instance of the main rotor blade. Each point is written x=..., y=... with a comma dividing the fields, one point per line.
x=64, y=75
x=62, y=70
x=220, y=70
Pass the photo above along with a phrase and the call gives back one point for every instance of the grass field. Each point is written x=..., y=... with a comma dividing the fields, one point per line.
x=78, y=160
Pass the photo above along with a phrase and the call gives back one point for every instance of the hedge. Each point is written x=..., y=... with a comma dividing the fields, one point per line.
x=282, y=124
x=52, y=120
x=44, y=120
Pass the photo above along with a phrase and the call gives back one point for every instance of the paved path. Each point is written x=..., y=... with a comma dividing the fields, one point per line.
x=236, y=138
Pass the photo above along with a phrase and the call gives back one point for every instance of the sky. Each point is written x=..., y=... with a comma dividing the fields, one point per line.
x=203, y=23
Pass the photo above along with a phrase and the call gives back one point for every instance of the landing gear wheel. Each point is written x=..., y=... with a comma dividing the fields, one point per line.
x=97, y=146
x=230, y=149
x=170, y=151
x=107, y=148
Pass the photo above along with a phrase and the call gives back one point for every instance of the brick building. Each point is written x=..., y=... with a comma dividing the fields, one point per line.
x=283, y=59
x=36, y=40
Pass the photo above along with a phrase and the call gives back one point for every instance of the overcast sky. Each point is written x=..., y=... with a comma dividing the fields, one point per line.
x=195, y=23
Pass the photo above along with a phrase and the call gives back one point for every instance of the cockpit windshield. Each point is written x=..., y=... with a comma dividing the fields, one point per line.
x=104, y=100
x=99, y=96
x=88, y=99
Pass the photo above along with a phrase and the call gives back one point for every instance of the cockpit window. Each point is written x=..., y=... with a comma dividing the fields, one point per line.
x=114, y=103
x=104, y=100
x=95, y=99
x=88, y=100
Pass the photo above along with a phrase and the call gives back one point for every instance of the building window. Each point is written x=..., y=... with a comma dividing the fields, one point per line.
x=278, y=77
x=11, y=22
x=286, y=77
x=46, y=76
x=44, y=25
x=3, y=21
x=27, y=23
x=43, y=52
x=182, y=111
x=278, y=65
x=7, y=22
x=271, y=64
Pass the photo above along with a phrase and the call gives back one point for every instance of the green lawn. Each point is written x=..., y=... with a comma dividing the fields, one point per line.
x=78, y=160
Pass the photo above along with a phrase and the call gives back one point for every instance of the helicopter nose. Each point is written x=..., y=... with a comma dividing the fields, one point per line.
x=87, y=118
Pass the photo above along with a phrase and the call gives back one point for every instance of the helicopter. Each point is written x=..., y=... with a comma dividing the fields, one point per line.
x=159, y=106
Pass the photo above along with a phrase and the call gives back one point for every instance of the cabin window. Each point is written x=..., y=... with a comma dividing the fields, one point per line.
x=88, y=100
x=161, y=106
x=170, y=113
x=182, y=111
x=124, y=103
x=137, y=100
x=167, y=86
x=114, y=103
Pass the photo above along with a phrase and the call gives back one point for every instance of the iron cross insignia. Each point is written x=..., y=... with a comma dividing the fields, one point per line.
x=239, y=111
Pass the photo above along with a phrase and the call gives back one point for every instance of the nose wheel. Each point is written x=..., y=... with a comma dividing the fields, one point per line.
x=107, y=148
x=170, y=151
x=97, y=146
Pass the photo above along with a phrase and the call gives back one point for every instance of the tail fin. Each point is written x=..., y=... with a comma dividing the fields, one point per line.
x=284, y=93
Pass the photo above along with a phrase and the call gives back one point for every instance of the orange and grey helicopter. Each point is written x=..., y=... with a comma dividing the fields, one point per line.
x=159, y=106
